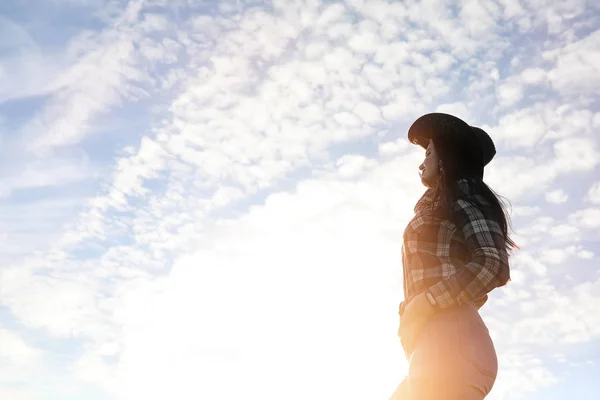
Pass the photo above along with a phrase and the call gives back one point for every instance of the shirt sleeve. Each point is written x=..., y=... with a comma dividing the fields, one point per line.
x=488, y=267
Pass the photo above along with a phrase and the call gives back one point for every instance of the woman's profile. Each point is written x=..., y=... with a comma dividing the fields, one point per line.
x=454, y=252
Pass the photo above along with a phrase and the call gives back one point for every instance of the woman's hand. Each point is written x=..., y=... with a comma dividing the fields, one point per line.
x=415, y=317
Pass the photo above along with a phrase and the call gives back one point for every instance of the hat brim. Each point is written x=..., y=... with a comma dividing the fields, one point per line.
x=429, y=126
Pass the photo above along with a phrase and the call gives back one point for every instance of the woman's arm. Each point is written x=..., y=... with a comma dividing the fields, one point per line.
x=488, y=267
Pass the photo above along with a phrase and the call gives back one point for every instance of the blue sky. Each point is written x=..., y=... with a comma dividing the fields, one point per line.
x=207, y=199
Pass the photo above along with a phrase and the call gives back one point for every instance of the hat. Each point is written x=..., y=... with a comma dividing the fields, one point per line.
x=469, y=141
x=488, y=149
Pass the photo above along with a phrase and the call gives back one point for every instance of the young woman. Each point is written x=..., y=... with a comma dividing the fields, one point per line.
x=455, y=251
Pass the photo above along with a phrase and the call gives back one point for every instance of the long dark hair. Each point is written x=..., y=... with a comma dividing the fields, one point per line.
x=455, y=167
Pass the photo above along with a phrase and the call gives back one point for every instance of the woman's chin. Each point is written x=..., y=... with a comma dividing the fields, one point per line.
x=426, y=182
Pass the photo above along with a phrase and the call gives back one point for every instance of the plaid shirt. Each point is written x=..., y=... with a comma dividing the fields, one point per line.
x=457, y=262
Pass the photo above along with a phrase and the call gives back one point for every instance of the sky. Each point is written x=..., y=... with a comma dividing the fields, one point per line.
x=206, y=199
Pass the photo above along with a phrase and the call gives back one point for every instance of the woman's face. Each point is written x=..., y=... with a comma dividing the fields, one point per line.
x=430, y=167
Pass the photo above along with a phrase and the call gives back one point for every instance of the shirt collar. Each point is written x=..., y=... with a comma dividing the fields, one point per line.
x=427, y=199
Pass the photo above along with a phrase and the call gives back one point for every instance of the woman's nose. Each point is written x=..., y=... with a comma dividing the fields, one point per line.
x=421, y=167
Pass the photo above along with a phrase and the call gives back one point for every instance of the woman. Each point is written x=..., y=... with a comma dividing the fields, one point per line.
x=455, y=251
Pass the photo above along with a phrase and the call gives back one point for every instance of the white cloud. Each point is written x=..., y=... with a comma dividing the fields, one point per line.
x=533, y=76
x=43, y=173
x=570, y=314
x=565, y=232
x=521, y=373
x=351, y=166
x=587, y=218
x=525, y=211
x=394, y=147
x=366, y=39
x=518, y=176
x=557, y=256
x=103, y=74
x=19, y=361
x=327, y=217
x=26, y=69
x=15, y=350
x=577, y=65
x=593, y=195
x=523, y=128
x=576, y=154
x=479, y=16
x=31, y=226
x=402, y=104
x=459, y=109
x=557, y=196
x=509, y=94
x=513, y=8
x=368, y=112
x=522, y=176
x=74, y=297
x=586, y=255
x=14, y=394
x=532, y=127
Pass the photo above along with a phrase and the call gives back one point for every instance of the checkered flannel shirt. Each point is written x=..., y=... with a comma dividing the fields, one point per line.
x=457, y=262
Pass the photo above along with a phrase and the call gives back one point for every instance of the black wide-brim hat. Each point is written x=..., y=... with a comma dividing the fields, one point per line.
x=453, y=130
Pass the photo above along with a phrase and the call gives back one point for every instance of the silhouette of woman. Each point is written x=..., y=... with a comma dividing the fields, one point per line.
x=455, y=251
